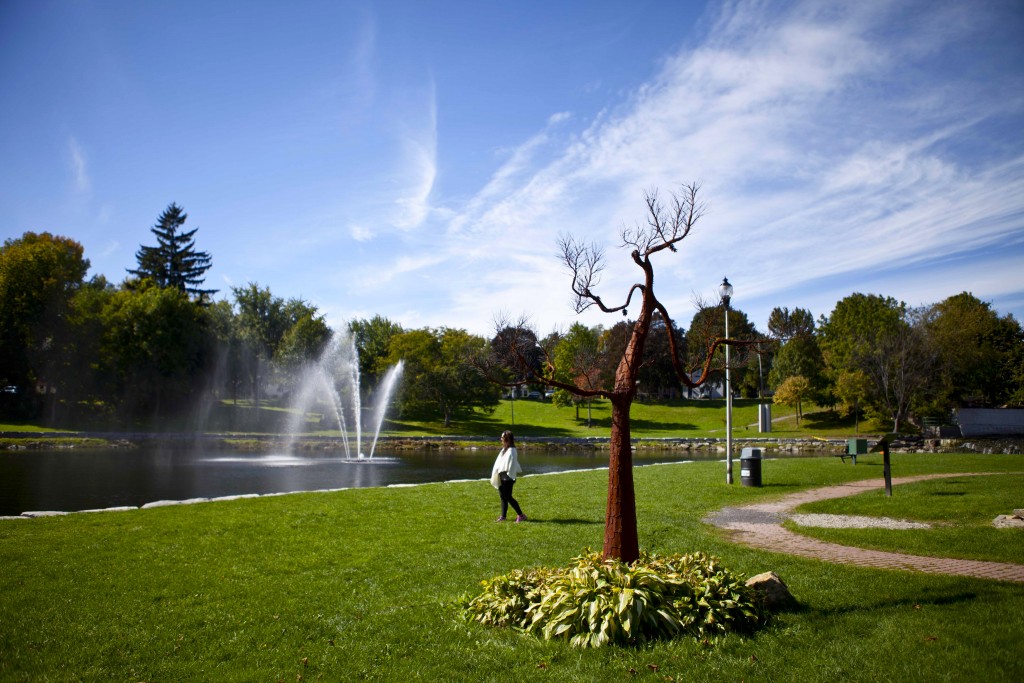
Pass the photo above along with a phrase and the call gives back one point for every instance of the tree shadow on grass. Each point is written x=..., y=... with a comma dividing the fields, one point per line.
x=472, y=428
x=916, y=603
x=563, y=521
x=637, y=426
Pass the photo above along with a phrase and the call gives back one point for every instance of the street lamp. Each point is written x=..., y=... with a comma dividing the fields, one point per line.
x=725, y=290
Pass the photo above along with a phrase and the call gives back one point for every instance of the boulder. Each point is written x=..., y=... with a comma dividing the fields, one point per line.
x=1015, y=520
x=773, y=591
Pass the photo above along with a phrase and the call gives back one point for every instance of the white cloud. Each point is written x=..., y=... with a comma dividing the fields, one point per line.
x=79, y=168
x=812, y=167
x=360, y=233
x=420, y=172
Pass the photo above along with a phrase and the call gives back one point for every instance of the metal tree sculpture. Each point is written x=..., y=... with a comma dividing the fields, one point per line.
x=663, y=231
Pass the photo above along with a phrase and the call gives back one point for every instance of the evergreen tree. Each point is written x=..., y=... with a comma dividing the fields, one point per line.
x=174, y=262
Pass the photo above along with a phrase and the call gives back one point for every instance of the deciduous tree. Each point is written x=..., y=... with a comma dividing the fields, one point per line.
x=853, y=388
x=39, y=275
x=794, y=392
x=975, y=348
x=885, y=340
x=373, y=337
x=440, y=378
x=577, y=357
x=153, y=349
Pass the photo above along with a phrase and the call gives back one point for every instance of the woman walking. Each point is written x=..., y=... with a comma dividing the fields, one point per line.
x=503, y=475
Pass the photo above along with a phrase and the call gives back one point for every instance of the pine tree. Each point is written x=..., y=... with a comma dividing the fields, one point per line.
x=174, y=262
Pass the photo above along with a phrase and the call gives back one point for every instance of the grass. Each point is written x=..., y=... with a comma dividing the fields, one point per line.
x=960, y=508
x=362, y=585
x=662, y=419
x=650, y=419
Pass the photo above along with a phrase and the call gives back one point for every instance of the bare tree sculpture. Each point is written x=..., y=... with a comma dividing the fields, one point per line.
x=664, y=229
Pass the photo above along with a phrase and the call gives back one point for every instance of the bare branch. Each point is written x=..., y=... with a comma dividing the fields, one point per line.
x=585, y=262
x=665, y=227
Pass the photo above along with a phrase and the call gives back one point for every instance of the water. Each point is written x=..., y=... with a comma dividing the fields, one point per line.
x=99, y=478
x=330, y=386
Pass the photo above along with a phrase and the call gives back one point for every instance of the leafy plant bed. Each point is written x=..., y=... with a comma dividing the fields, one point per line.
x=594, y=602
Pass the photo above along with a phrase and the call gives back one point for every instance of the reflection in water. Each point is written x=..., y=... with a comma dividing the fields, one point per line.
x=100, y=478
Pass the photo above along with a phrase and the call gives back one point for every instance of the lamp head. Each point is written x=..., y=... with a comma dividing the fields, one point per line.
x=725, y=291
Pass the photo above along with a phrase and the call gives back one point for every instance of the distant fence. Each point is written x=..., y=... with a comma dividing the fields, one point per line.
x=990, y=421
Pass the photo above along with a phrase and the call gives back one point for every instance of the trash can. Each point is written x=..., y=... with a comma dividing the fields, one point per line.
x=855, y=447
x=750, y=467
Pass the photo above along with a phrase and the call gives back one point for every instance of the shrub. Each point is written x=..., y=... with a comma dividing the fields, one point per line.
x=594, y=602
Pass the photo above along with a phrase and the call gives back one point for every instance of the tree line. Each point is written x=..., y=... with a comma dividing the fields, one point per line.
x=156, y=345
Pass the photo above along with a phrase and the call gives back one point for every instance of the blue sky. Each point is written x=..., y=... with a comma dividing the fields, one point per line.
x=418, y=160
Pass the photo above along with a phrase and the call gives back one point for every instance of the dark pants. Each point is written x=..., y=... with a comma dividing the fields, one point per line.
x=505, y=491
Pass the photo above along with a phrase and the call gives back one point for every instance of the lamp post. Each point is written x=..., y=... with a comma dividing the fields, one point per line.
x=725, y=290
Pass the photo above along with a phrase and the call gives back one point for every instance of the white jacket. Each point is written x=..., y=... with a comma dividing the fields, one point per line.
x=507, y=462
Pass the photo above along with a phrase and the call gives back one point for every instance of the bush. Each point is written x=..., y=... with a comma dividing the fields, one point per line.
x=595, y=602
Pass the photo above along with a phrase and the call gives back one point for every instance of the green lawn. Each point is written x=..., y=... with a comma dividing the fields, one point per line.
x=961, y=510
x=661, y=419
x=362, y=585
x=648, y=420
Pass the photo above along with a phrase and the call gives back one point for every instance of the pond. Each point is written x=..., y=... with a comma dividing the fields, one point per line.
x=87, y=479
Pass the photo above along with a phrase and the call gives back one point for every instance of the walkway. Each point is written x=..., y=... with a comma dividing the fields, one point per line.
x=760, y=525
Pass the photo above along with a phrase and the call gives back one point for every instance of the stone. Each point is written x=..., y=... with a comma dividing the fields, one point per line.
x=43, y=513
x=1008, y=522
x=773, y=591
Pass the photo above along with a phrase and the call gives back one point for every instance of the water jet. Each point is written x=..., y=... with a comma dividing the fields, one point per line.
x=333, y=381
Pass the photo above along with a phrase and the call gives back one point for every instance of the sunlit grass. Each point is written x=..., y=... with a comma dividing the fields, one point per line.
x=649, y=419
x=667, y=419
x=960, y=508
x=362, y=584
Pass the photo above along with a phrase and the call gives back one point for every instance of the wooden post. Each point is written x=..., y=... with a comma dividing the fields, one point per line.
x=886, y=472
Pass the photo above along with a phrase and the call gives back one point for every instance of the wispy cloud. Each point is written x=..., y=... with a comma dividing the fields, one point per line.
x=419, y=155
x=79, y=167
x=819, y=154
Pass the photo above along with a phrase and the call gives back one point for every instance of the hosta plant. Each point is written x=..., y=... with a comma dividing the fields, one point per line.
x=594, y=602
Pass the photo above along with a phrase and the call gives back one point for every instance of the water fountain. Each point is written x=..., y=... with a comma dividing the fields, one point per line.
x=333, y=381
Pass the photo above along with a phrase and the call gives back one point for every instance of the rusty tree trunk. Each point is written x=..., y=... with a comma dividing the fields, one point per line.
x=620, y=525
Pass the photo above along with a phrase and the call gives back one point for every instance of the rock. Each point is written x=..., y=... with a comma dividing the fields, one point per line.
x=1008, y=522
x=773, y=591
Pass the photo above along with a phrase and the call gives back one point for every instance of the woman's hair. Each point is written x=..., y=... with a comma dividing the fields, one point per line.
x=507, y=436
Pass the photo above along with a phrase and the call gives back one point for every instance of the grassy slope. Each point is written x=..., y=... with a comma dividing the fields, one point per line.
x=650, y=420
x=532, y=418
x=359, y=584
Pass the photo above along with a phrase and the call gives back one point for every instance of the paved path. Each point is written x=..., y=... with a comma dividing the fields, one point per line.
x=760, y=525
